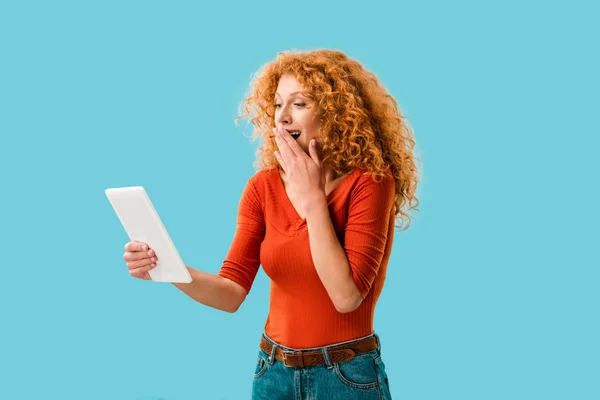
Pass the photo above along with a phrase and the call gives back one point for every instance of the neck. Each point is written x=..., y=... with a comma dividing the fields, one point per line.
x=329, y=173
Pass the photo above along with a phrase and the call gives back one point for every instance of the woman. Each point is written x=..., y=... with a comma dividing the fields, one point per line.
x=336, y=169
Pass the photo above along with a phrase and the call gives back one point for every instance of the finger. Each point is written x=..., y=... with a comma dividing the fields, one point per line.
x=291, y=142
x=312, y=150
x=284, y=149
x=141, y=263
x=141, y=273
x=138, y=255
x=136, y=246
x=281, y=162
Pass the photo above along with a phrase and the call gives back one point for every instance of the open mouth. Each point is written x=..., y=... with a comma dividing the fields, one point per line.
x=295, y=134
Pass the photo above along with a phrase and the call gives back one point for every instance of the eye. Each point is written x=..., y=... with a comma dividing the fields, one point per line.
x=277, y=105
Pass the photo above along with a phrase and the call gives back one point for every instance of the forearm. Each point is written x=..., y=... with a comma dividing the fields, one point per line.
x=213, y=290
x=329, y=257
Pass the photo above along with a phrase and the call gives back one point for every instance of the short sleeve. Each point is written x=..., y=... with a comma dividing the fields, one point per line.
x=367, y=229
x=243, y=258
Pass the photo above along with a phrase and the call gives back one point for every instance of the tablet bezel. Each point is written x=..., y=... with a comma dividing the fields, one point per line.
x=143, y=224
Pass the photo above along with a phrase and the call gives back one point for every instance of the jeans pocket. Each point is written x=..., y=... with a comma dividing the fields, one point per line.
x=261, y=366
x=359, y=373
x=383, y=378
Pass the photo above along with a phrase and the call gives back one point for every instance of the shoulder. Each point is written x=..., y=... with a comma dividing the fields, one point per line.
x=263, y=176
x=369, y=184
x=367, y=178
x=372, y=193
x=263, y=181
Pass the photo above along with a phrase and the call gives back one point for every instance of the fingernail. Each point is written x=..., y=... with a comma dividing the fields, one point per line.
x=145, y=247
x=153, y=265
x=150, y=253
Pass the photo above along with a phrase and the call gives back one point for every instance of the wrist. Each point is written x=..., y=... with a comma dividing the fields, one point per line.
x=314, y=201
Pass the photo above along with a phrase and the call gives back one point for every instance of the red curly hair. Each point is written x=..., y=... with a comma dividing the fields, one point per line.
x=361, y=124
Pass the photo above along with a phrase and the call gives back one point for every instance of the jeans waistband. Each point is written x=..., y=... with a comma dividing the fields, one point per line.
x=323, y=347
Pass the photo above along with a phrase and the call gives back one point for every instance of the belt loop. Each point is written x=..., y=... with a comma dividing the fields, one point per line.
x=326, y=356
x=378, y=342
x=272, y=356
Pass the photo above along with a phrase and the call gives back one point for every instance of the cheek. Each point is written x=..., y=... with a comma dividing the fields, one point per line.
x=312, y=123
x=315, y=120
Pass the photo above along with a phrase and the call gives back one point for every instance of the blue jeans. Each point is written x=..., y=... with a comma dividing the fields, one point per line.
x=362, y=378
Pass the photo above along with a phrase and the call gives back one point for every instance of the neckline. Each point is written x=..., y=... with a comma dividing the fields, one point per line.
x=302, y=221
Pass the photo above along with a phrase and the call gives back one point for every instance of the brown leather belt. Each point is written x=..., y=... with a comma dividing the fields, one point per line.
x=338, y=354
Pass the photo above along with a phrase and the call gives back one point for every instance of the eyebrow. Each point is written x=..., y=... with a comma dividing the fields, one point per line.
x=291, y=94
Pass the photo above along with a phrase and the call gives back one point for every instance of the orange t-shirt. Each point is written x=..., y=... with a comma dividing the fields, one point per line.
x=270, y=232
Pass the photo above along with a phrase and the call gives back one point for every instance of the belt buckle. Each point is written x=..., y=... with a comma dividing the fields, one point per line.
x=299, y=354
x=285, y=354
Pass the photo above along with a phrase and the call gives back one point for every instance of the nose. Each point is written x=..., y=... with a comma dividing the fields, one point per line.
x=284, y=116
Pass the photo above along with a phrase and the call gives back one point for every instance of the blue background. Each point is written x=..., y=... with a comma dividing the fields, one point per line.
x=491, y=294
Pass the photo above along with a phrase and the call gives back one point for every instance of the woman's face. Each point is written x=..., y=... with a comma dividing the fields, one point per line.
x=295, y=112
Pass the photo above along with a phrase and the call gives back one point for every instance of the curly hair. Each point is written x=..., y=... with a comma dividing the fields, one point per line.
x=361, y=124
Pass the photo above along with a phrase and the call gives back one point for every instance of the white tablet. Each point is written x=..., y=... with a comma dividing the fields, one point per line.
x=142, y=223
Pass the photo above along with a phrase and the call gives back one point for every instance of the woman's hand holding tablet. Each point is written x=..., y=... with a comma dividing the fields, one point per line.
x=140, y=259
